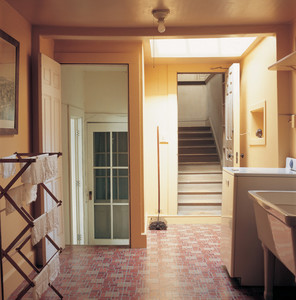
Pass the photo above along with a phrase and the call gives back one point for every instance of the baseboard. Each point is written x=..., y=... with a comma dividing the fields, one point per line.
x=175, y=219
x=12, y=278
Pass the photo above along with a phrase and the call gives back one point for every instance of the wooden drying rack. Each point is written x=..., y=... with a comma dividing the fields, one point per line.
x=21, y=240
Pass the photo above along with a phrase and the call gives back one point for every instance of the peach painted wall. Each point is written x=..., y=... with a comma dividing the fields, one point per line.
x=293, y=99
x=13, y=24
x=259, y=84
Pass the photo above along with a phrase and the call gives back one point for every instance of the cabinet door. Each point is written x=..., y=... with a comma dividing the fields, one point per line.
x=227, y=221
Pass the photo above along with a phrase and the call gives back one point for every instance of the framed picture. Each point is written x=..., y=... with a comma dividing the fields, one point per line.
x=9, y=77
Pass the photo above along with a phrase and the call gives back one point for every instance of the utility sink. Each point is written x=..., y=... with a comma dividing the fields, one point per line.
x=275, y=213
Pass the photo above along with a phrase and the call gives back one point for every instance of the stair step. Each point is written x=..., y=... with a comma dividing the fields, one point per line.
x=195, y=135
x=194, y=178
x=199, y=199
x=200, y=168
x=194, y=128
x=199, y=210
x=196, y=142
x=197, y=188
x=197, y=150
x=199, y=158
x=199, y=163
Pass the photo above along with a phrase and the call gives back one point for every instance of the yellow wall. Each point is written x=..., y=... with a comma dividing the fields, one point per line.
x=259, y=84
x=293, y=101
x=13, y=24
x=160, y=109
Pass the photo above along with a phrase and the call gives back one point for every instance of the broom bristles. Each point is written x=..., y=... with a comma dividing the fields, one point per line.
x=158, y=224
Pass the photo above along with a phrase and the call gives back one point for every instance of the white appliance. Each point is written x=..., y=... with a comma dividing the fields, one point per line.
x=241, y=250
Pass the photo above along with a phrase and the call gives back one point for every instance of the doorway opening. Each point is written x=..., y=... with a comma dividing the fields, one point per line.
x=200, y=143
x=98, y=150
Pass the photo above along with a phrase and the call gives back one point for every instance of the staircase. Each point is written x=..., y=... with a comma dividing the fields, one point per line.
x=200, y=174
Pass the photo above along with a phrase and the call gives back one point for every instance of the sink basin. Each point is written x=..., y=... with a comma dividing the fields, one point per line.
x=275, y=213
x=281, y=204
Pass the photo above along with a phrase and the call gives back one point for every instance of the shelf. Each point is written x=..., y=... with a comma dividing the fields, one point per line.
x=287, y=63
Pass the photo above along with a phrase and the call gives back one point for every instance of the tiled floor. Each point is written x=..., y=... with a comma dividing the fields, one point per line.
x=180, y=263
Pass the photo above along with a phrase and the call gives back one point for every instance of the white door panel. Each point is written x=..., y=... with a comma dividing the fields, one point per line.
x=51, y=137
x=109, y=184
x=232, y=116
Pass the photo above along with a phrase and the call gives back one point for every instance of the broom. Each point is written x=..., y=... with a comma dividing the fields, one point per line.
x=158, y=223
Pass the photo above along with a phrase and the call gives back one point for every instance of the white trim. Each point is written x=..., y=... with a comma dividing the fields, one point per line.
x=105, y=118
x=216, y=141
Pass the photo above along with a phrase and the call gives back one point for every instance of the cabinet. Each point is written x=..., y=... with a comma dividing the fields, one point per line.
x=241, y=250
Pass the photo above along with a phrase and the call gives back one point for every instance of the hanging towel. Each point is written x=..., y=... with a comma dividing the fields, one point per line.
x=36, y=171
x=40, y=283
x=54, y=267
x=51, y=166
x=52, y=219
x=40, y=229
x=16, y=195
x=8, y=169
x=29, y=193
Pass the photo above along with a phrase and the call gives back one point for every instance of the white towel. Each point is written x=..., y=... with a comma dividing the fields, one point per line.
x=40, y=229
x=29, y=193
x=35, y=173
x=40, y=283
x=51, y=166
x=54, y=268
x=52, y=219
x=16, y=195
x=8, y=169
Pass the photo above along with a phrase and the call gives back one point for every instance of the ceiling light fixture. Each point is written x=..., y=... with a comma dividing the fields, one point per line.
x=160, y=15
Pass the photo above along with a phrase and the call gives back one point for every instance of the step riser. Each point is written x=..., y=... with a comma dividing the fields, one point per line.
x=200, y=178
x=204, y=169
x=197, y=128
x=200, y=210
x=196, y=143
x=199, y=158
x=195, y=135
x=197, y=150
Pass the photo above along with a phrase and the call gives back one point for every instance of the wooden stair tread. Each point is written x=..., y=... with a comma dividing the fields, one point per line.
x=200, y=163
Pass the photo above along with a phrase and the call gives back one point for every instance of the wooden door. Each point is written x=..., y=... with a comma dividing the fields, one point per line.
x=232, y=117
x=51, y=138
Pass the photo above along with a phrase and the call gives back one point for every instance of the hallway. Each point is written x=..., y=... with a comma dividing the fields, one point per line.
x=180, y=263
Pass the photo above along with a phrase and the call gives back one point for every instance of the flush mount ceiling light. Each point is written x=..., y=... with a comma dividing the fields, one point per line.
x=160, y=15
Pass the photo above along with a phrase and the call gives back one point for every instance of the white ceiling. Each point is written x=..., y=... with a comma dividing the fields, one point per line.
x=137, y=13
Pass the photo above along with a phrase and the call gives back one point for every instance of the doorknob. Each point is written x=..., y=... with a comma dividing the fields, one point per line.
x=90, y=195
x=230, y=155
x=242, y=155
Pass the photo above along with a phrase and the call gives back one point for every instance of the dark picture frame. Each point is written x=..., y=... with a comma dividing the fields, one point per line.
x=9, y=84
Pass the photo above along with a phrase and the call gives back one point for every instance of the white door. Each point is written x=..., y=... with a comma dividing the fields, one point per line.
x=51, y=138
x=108, y=183
x=232, y=117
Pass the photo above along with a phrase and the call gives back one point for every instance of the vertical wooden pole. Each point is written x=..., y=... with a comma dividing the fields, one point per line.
x=158, y=169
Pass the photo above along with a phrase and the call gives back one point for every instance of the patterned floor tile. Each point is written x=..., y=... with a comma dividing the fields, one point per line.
x=182, y=262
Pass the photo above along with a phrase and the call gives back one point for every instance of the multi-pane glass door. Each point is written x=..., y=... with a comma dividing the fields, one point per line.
x=109, y=184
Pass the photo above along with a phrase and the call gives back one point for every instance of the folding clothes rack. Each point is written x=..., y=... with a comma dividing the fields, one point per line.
x=21, y=239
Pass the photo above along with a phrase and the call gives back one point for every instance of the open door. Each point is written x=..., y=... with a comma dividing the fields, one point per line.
x=50, y=72
x=232, y=117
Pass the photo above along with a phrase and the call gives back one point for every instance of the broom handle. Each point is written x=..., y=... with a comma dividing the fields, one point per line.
x=158, y=170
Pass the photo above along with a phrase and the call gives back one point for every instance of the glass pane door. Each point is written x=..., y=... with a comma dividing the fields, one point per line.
x=108, y=174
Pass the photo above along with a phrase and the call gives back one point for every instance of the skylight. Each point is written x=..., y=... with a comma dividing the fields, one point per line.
x=207, y=47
